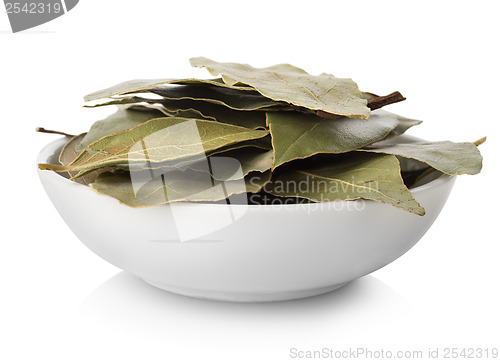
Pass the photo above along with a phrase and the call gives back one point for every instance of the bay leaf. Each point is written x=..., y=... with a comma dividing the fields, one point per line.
x=230, y=98
x=448, y=157
x=125, y=100
x=368, y=95
x=188, y=108
x=158, y=140
x=69, y=153
x=404, y=124
x=179, y=113
x=184, y=163
x=137, y=85
x=173, y=187
x=292, y=85
x=121, y=120
x=255, y=119
x=348, y=177
x=297, y=135
x=152, y=105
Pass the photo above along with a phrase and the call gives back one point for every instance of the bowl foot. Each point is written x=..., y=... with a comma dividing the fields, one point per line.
x=226, y=296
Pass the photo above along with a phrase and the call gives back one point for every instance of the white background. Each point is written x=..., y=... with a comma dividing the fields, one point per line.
x=60, y=302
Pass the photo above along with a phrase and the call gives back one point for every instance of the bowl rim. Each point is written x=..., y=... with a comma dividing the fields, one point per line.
x=49, y=149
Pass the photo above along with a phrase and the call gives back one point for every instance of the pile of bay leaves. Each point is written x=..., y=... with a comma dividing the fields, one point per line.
x=271, y=135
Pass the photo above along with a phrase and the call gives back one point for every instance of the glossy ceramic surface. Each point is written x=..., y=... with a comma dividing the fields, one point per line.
x=264, y=253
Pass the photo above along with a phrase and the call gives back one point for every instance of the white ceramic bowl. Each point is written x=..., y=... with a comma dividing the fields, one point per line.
x=269, y=253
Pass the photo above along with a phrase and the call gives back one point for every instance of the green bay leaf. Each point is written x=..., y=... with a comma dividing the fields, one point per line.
x=254, y=120
x=348, y=177
x=188, y=108
x=68, y=155
x=121, y=120
x=297, y=135
x=178, y=113
x=137, y=85
x=448, y=157
x=159, y=140
x=184, y=163
x=230, y=98
x=68, y=152
x=292, y=85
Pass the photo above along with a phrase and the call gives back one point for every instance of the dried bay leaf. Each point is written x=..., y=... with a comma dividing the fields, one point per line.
x=348, y=177
x=179, y=113
x=182, y=164
x=255, y=120
x=196, y=109
x=121, y=120
x=404, y=124
x=137, y=85
x=152, y=105
x=234, y=99
x=124, y=100
x=289, y=84
x=159, y=140
x=69, y=153
x=298, y=135
x=255, y=132
x=173, y=187
x=448, y=157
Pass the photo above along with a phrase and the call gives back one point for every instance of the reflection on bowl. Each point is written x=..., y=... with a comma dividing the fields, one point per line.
x=243, y=252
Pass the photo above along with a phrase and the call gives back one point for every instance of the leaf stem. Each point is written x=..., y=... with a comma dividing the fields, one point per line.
x=374, y=103
x=480, y=141
x=379, y=102
x=43, y=130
